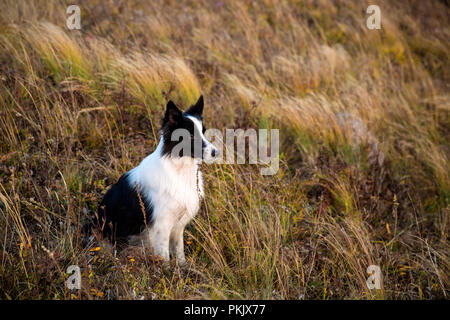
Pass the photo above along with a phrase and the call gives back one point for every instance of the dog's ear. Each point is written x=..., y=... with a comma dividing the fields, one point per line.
x=173, y=114
x=197, y=108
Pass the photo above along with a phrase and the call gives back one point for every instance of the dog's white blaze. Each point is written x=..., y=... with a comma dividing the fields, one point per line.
x=199, y=126
x=209, y=146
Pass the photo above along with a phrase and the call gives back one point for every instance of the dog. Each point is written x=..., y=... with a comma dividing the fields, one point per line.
x=153, y=202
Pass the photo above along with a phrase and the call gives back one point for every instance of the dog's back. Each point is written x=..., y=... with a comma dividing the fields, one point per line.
x=122, y=212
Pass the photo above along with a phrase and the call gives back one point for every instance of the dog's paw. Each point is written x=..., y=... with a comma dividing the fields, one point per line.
x=181, y=261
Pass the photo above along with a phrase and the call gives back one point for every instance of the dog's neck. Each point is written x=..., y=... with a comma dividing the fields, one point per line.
x=181, y=165
x=187, y=168
x=158, y=167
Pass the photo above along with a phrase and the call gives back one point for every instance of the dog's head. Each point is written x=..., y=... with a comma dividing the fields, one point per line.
x=183, y=133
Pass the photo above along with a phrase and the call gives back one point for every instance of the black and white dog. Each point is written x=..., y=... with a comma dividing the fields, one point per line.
x=153, y=202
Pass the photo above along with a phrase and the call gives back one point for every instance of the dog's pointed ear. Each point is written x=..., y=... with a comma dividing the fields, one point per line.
x=197, y=108
x=173, y=114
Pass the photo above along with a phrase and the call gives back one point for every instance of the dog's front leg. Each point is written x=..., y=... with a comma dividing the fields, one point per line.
x=176, y=243
x=160, y=237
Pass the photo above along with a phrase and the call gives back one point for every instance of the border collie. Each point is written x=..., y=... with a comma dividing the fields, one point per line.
x=153, y=202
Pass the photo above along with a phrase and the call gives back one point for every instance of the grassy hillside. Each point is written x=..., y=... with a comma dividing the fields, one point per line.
x=364, y=156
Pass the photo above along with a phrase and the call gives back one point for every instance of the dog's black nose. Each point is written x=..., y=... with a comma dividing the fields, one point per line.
x=214, y=152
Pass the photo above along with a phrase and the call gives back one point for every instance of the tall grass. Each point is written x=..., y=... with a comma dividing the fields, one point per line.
x=364, y=130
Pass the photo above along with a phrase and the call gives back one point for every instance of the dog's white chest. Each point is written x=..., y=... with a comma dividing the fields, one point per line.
x=173, y=186
x=184, y=192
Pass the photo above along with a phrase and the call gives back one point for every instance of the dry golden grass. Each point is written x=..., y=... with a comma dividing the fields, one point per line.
x=364, y=156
